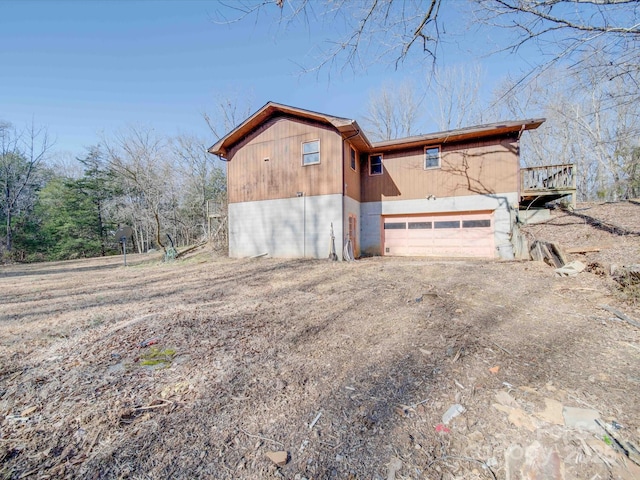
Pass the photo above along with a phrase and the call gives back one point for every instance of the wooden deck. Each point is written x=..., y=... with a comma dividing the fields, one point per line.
x=540, y=185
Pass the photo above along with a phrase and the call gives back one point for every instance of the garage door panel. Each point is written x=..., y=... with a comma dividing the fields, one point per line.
x=417, y=243
x=445, y=235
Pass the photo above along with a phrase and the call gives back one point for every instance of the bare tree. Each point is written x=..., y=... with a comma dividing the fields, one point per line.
x=229, y=111
x=140, y=159
x=455, y=92
x=201, y=181
x=391, y=31
x=21, y=155
x=585, y=126
x=572, y=30
x=380, y=30
x=392, y=112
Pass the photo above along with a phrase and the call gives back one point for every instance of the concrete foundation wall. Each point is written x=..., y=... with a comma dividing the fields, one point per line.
x=300, y=226
x=290, y=228
x=370, y=225
x=502, y=204
x=534, y=215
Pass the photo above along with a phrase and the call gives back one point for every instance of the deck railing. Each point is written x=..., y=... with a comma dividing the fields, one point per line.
x=548, y=178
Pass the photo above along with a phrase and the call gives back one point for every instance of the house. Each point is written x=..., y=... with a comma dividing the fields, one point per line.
x=297, y=177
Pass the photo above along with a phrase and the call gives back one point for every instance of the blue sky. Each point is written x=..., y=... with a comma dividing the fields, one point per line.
x=84, y=68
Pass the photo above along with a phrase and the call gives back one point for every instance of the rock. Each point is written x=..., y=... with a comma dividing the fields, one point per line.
x=542, y=463
x=395, y=464
x=503, y=398
x=552, y=412
x=582, y=418
x=279, y=458
x=513, y=461
x=517, y=417
x=452, y=412
x=533, y=462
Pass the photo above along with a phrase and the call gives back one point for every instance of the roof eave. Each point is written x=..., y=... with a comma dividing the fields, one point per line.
x=222, y=146
x=481, y=131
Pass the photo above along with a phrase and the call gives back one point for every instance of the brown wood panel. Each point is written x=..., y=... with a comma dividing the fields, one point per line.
x=351, y=177
x=280, y=140
x=487, y=166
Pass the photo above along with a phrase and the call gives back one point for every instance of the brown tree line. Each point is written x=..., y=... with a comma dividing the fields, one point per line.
x=163, y=188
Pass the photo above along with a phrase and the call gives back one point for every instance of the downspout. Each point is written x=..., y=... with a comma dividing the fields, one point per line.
x=518, y=172
x=515, y=239
x=344, y=191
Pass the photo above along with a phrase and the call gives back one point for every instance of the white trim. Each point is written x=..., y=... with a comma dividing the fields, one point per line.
x=303, y=154
x=431, y=147
x=381, y=164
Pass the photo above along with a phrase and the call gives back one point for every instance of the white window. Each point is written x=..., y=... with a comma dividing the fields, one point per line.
x=375, y=164
x=311, y=152
x=432, y=157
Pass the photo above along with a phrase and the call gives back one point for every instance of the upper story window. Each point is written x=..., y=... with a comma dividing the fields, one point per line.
x=311, y=152
x=354, y=155
x=432, y=157
x=375, y=164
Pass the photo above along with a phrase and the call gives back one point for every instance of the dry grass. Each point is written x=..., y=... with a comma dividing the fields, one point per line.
x=256, y=349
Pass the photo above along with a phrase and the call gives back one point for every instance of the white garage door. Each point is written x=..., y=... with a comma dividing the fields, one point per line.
x=442, y=235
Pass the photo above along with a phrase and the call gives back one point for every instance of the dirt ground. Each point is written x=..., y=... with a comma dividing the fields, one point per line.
x=200, y=367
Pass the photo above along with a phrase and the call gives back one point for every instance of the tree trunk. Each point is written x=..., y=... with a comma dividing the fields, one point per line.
x=157, y=218
x=9, y=237
x=101, y=231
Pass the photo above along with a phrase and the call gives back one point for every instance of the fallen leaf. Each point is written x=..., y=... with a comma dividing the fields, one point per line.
x=517, y=417
x=495, y=369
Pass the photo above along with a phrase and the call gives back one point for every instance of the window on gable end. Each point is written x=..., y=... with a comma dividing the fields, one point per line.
x=311, y=152
x=375, y=164
x=431, y=157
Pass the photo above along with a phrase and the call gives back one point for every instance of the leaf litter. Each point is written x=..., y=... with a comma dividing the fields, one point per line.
x=252, y=351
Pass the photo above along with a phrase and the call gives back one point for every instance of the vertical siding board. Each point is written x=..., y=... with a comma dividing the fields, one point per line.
x=351, y=178
x=491, y=167
x=280, y=140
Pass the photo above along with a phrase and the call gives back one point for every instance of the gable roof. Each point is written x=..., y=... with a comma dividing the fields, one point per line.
x=350, y=129
x=345, y=126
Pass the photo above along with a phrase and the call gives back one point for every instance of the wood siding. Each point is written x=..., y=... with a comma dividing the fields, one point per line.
x=280, y=139
x=352, y=178
x=487, y=166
